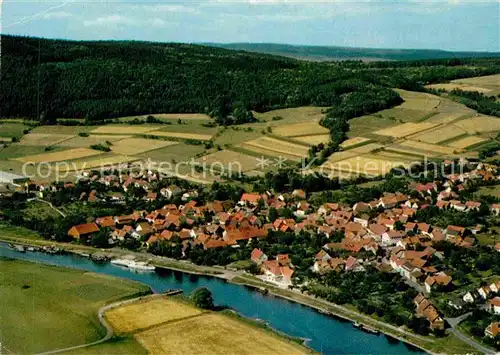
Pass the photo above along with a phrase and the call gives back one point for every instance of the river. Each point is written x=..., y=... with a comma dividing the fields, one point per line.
x=324, y=333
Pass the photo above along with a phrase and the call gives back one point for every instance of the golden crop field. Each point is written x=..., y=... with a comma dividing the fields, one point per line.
x=133, y=146
x=418, y=100
x=479, y=124
x=440, y=134
x=314, y=139
x=338, y=156
x=265, y=152
x=278, y=146
x=147, y=313
x=467, y=142
x=439, y=149
x=124, y=129
x=398, y=148
x=488, y=80
x=353, y=141
x=446, y=117
x=366, y=148
x=181, y=135
x=300, y=129
x=44, y=139
x=215, y=334
x=81, y=142
x=366, y=165
x=229, y=160
x=460, y=86
x=296, y=114
x=69, y=154
x=104, y=160
x=405, y=129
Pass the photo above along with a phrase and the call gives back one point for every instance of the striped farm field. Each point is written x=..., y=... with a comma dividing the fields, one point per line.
x=400, y=149
x=368, y=148
x=228, y=159
x=446, y=117
x=300, y=129
x=467, y=142
x=279, y=146
x=479, y=124
x=440, y=134
x=367, y=165
x=44, y=139
x=124, y=129
x=353, y=142
x=133, y=146
x=338, y=156
x=75, y=153
x=405, y=129
x=81, y=142
x=179, y=135
x=388, y=155
x=105, y=160
x=265, y=152
x=439, y=149
x=314, y=139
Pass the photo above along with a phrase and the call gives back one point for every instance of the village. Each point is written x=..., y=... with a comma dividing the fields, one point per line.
x=385, y=233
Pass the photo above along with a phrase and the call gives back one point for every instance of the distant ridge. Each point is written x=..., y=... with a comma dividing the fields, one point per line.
x=334, y=53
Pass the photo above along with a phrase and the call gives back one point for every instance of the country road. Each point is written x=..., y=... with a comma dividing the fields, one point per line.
x=454, y=322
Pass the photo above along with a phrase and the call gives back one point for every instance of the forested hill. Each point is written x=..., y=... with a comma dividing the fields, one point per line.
x=329, y=53
x=105, y=79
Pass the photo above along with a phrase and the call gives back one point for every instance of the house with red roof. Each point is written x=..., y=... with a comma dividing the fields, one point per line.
x=258, y=256
x=83, y=230
x=494, y=305
x=492, y=330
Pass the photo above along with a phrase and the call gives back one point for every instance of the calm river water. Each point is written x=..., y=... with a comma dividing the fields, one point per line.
x=325, y=334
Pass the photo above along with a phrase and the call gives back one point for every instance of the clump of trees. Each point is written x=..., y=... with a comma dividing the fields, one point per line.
x=202, y=298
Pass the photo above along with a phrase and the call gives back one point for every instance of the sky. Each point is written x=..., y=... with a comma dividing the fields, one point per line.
x=466, y=25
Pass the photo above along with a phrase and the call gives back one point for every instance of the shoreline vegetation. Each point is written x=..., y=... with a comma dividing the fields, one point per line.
x=428, y=344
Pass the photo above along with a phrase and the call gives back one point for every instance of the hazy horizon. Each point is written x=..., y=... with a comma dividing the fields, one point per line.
x=435, y=25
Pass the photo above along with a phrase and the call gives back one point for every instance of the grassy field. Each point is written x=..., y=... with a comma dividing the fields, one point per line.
x=181, y=135
x=17, y=150
x=229, y=160
x=118, y=345
x=46, y=308
x=83, y=142
x=11, y=129
x=314, y=139
x=292, y=115
x=170, y=326
x=44, y=139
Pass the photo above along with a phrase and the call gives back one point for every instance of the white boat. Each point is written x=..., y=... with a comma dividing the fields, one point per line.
x=132, y=264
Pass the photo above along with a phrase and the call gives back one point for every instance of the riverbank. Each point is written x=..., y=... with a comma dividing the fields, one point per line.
x=42, y=302
x=428, y=344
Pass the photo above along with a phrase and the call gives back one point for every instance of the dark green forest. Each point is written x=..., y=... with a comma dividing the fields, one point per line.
x=106, y=79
